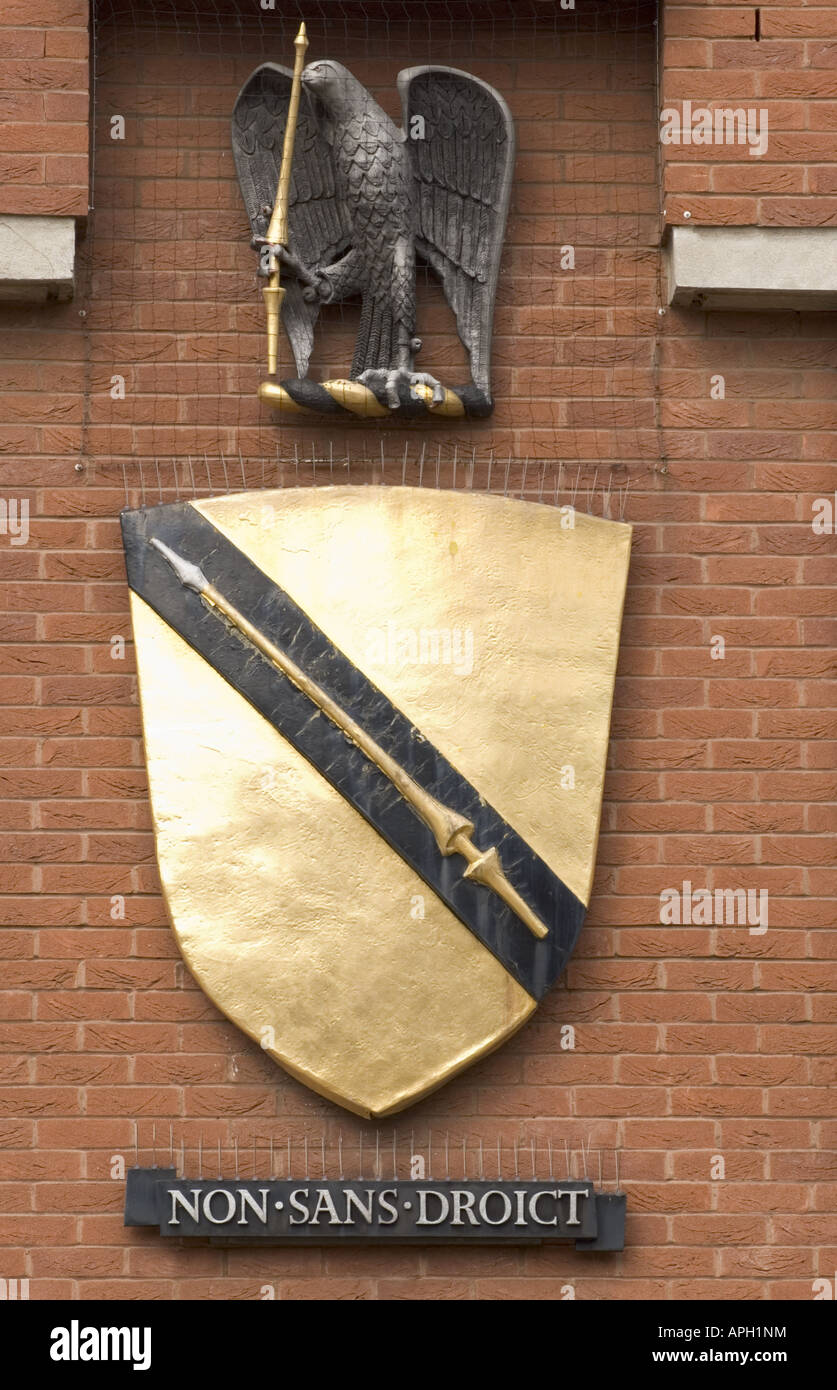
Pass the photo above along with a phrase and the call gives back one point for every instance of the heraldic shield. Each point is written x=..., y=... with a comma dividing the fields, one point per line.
x=376, y=722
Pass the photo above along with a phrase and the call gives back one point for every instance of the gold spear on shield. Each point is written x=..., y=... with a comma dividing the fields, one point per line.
x=451, y=830
x=277, y=232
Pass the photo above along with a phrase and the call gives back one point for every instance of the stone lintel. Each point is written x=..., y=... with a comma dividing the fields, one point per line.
x=752, y=267
x=37, y=257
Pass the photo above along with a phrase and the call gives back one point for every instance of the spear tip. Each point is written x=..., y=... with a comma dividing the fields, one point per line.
x=191, y=576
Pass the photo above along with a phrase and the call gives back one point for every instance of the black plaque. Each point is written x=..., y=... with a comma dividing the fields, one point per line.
x=311, y=1211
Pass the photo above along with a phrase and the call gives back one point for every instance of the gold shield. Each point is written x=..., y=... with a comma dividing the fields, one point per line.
x=492, y=625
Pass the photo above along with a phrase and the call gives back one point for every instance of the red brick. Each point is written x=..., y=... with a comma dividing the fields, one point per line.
x=690, y=1041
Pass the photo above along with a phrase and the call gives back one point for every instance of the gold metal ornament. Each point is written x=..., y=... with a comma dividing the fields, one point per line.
x=492, y=627
x=277, y=233
x=451, y=831
x=358, y=399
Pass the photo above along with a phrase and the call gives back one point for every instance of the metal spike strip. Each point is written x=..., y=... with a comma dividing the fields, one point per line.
x=530, y=1161
x=613, y=498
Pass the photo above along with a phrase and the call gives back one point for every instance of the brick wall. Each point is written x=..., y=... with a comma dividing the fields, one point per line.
x=692, y=1042
x=44, y=107
x=768, y=57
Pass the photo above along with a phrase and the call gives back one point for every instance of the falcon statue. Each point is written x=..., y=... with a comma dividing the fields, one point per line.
x=366, y=200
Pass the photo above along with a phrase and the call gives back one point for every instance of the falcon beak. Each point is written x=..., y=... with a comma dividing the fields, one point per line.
x=308, y=89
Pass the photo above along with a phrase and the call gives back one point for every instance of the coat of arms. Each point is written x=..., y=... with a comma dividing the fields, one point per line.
x=376, y=722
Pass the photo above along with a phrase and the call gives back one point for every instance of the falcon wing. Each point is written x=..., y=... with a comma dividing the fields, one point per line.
x=463, y=168
x=318, y=221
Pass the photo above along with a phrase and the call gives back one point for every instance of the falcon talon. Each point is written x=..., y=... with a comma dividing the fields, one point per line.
x=359, y=398
x=319, y=290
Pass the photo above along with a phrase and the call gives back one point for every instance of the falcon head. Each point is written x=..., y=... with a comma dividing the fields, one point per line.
x=333, y=84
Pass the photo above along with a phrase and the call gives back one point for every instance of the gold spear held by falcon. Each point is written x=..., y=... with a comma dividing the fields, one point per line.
x=277, y=232
x=451, y=830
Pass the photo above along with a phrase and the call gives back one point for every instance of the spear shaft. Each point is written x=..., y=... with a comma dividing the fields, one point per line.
x=277, y=232
x=451, y=831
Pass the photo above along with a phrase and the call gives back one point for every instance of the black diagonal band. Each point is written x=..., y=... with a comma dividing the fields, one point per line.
x=534, y=964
